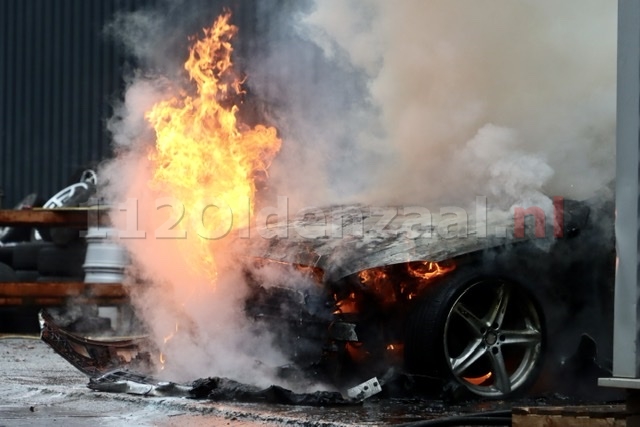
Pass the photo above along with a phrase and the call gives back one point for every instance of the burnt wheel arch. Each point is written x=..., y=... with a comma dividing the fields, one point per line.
x=459, y=332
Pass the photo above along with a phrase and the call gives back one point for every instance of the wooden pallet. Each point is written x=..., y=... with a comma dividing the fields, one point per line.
x=67, y=217
x=60, y=293
x=570, y=416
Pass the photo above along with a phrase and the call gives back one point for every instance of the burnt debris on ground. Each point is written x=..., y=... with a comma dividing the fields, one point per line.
x=124, y=366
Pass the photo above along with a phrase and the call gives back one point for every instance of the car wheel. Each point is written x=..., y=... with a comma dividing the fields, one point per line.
x=483, y=331
x=27, y=275
x=59, y=279
x=62, y=261
x=20, y=234
x=7, y=274
x=25, y=255
x=6, y=255
x=71, y=196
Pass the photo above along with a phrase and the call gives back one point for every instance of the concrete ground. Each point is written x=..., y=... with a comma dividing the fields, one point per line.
x=40, y=388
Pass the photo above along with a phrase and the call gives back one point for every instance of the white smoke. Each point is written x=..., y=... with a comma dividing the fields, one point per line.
x=452, y=99
x=196, y=322
x=408, y=101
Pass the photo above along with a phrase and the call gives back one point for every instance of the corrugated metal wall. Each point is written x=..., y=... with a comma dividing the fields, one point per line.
x=58, y=76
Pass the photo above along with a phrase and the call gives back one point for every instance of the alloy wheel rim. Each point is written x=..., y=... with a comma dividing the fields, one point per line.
x=493, y=338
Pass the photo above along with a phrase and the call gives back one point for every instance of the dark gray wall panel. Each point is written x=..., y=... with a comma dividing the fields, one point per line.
x=58, y=77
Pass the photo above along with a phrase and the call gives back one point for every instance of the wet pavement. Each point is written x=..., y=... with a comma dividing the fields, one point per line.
x=40, y=388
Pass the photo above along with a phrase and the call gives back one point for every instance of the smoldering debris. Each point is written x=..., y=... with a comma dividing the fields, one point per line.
x=219, y=389
x=95, y=357
x=125, y=366
x=134, y=383
x=225, y=389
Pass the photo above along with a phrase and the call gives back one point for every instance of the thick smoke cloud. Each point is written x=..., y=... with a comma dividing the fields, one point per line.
x=418, y=102
x=440, y=101
x=196, y=320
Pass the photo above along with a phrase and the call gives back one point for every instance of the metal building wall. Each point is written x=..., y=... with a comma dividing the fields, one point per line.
x=58, y=76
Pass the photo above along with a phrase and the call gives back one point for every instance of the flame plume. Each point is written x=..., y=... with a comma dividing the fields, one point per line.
x=203, y=157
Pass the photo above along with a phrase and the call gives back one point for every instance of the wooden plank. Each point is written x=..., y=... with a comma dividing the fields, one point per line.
x=61, y=289
x=570, y=416
x=61, y=301
x=32, y=290
x=603, y=411
x=110, y=290
x=561, y=421
x=70, y=217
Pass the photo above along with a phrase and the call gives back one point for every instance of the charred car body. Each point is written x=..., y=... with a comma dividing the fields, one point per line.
x=444, y=303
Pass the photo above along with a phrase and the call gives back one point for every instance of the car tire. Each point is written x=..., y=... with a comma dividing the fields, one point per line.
x=25, y=255
x=72, y=196
x=481, y=331
x=6, y=254
x=7, y=274
x=59, y=279
x=11, y=234
x=27, y=276
x=59, y=261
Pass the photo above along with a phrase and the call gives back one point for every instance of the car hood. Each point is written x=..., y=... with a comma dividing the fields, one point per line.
x=348, y=239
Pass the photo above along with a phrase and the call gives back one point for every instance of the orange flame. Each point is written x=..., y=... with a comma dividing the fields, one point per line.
x=162, y=361
x=165, y=340
x=373, y=275
x=203, y=157
x=428, y=270
x=478, y=380
x=379, y=280
x=171, y=335
x=347, y=305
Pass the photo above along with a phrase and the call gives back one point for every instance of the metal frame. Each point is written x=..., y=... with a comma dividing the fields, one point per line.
x=627, y=291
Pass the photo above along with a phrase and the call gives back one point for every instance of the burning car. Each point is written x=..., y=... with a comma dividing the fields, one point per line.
x=489, y=304
x=491, y=314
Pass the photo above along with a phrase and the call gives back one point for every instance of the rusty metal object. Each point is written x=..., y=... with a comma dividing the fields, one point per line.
x=93, y=357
